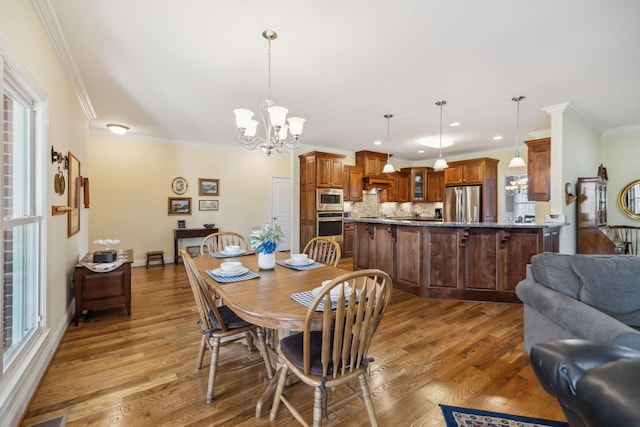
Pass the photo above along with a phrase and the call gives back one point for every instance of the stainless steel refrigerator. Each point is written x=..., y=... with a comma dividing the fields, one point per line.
x=463, y=204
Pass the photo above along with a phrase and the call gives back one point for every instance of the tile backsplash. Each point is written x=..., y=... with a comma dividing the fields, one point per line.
x=371, y=207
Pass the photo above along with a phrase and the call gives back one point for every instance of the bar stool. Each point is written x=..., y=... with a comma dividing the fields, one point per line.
x=155, y=256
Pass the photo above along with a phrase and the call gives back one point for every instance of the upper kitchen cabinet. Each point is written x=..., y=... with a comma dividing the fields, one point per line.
x=539, y=169
x=435, y=186
x=403, y=194
x=371, y=162
x=418, y=184
x=352, y=183
x=469, y=171
x=328, y=168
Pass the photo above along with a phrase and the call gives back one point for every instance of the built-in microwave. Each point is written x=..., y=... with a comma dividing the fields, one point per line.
x=329, y=199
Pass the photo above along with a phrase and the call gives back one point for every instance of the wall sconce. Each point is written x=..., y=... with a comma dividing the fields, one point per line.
x=569, y=196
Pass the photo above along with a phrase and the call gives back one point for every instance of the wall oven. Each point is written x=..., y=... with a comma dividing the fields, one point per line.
x=329, y=199
x=329, y=224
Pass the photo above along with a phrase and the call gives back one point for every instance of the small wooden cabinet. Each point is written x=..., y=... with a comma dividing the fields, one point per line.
x=435, y=186
x=352, y=183
x=468, y=172
x=403, y=192
x=371, y=162
x=97, y=290
x=329, y=170
x=418, y=184
x=349, y=232
x=539, y=169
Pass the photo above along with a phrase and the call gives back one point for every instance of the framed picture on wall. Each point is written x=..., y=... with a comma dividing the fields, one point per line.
x=179, y=205
x=182, y=223
x=208, y=205
x=208, y=187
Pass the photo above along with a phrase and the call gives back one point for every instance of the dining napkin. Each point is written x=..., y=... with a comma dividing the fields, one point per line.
x=229, y=279
x=223, y=255
x=300, y=267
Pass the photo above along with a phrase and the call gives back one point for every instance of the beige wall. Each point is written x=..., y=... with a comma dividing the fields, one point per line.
x=619, y=153
x=130, y=182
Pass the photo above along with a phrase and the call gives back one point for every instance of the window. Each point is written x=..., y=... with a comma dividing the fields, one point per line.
x=21, y=205
x=518, y=208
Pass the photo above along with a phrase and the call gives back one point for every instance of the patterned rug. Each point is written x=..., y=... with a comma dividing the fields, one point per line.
x=465, y=417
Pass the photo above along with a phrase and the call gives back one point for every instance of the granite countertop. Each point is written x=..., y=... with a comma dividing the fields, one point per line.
x=424, y=222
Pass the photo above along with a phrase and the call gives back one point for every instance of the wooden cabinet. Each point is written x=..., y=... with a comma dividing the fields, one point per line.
x=373, y=247
x=417, y=184
x=329, y=170
x=408, y=259
x=467, y=172
x=594, y=236
x=352, y=183
x=349, y=231
x=539, y=169
x=371, y=162
x=403, y=185
x=435, y=186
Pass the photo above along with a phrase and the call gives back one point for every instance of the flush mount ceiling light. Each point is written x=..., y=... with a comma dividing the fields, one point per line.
x=275, y=128
x=517, y=161
x=117, y=129
x=441, y=163
x=388, y=168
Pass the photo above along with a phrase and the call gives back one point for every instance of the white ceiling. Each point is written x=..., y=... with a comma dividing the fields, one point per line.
x=174, y=70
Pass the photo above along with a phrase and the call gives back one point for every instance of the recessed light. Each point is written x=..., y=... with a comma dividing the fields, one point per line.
x=497, y=137
x=420, y=151
x=377, y=143
x=454, y=124
x=117, y=129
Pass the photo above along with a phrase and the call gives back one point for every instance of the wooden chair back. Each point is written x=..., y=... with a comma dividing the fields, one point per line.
x=630, y=235
x=216, y=242
x=324, y=250
x=348, y=329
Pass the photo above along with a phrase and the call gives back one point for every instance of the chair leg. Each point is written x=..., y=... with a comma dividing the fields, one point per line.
x=366, y=396
x=279, y=389
x=215, y=350
x=317, y=407
x=249, y=338
x=262, y=346
x=203, y=347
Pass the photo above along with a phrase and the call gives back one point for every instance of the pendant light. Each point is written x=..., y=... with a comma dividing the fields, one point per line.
x=517, y=161
x=441, y=163
x=388, y=168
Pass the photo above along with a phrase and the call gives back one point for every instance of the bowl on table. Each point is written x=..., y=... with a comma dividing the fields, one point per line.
x=335, y=292
x=232, y=249
x=299, y=258
x=231, y=266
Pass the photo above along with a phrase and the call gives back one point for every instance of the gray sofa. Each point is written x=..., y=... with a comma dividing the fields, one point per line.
x=591, y=297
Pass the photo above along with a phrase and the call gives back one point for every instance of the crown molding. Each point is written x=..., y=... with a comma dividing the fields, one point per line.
x=622, y=130
x=53, y=28
x=574, y=113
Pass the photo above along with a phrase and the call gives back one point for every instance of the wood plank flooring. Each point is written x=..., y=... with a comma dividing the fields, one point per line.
x=116, y=370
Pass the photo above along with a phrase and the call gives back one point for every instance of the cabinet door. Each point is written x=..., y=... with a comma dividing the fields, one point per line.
x=419, y=185
x=443, y=259
x=382, y=250
x=473, y=172
x=352, y=183
x=363, y=243
x=349, y=234
x=403, y=194
x=539, y=169
x=435, y=186
x=335, y=177
x=408, y=259
x=323, y=174
x=453, y=175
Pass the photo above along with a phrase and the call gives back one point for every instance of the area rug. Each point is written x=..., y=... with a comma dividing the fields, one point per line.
x=465, y=417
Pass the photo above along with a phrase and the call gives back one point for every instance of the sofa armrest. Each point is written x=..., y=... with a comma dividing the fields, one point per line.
x=578, y=318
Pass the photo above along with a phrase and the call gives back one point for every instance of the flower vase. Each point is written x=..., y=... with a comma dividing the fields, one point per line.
x=266, y=261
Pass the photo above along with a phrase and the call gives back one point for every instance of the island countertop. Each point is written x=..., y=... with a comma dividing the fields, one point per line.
x=422, y=222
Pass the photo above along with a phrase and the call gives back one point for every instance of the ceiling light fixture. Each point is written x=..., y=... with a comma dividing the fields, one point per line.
x=276, y=129
x=441, y=163
x=388, y=168
x=517, y=161
x=117, y=129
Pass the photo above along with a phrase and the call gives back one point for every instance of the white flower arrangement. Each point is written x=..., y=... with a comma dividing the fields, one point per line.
x=265, y=238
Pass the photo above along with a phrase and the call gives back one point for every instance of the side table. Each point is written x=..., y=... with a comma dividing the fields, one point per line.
x=187, y=233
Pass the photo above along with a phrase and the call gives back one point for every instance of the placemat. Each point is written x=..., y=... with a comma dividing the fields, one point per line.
x=229, y=279
x=306, y=298
x=223, y=255
x=301, y=267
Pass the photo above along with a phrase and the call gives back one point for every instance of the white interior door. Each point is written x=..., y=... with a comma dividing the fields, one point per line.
x=281, y=209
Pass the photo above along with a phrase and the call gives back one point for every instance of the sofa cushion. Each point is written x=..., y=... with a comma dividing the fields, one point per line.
x=610, y=284
x=552, y=270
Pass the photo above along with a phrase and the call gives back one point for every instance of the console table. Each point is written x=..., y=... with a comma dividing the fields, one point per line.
x=188, y=233
x=96, y=290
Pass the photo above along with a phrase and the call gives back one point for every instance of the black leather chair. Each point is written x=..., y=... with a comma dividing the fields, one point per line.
x=597, y=384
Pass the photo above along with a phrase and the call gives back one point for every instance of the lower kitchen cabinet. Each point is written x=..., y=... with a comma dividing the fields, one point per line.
x=349, y=231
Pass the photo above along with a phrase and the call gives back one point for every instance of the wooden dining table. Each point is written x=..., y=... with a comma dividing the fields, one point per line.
x=266, y=301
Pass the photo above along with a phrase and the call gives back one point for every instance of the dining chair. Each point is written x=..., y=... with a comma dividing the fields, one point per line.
x=324, y=250
x=351, y=307
x=215, y=242
x=218, y=322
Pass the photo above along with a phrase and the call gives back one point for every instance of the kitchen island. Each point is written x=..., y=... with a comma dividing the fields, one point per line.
x=469, y=261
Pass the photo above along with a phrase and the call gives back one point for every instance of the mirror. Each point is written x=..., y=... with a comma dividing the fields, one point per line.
x=629, y=199
x=73, y=216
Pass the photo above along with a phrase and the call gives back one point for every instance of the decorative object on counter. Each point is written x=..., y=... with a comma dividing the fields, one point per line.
x=208, y=187
x=276, y=130
x=264, y=239
x=117, y=129
x=569, y=195
x=208, y=225
x=179, y=185
x=441, y=163
x=517, y=161
x=179, y=205
x=388, y=167
x=208, y=205
x=106, y=243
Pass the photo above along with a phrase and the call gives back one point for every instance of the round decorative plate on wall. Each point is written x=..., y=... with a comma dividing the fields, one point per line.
x=179, y=185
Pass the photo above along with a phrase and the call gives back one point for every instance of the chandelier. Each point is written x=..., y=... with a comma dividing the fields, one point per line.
x=273, y=120
x=441, y=163
x=517, y=161
x=519, y=184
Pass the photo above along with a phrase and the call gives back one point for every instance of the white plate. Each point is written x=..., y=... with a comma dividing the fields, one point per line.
x=219, y=272
x=335, y=292
x=240, y=252
x=307, y=261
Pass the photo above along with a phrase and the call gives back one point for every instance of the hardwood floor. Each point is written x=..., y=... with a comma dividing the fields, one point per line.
x=117, y=370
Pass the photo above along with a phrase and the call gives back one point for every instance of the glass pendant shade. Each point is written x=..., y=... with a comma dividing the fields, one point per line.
x=278, y=115
x=295, y=125
x=440, y=164
x=388, y=168
x=517, y=161
x=243, y=117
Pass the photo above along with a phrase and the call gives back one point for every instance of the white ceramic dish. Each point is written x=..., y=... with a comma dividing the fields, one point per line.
x=232, y=249
x=299, y=257
x=219, y=272
x=335, y=292
x=240, y=252
x=231, y=266
x=307, y=261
